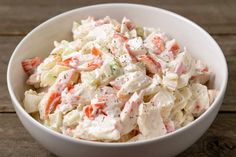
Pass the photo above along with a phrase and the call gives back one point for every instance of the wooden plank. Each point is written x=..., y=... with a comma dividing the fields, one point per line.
x=217, y=17
x=7, y=45
x=15, y=140
x=219, y=140
x=226, y=42
x=228, y=46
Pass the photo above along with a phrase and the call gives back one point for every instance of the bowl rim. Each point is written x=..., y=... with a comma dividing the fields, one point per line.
x=17, y=105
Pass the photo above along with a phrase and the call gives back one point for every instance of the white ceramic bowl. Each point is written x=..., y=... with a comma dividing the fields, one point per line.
x=39, y=42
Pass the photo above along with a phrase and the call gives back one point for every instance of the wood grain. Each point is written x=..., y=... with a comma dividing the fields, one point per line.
x=219, y=140
x=15, y=141
x=19, y=17
x=227, y=43
x=218, y=17
x=7, y=45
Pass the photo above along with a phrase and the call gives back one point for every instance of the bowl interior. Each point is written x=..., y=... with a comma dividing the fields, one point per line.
x=39, y=42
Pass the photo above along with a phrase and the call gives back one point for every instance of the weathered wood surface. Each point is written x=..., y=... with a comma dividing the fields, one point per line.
x=219, y=140
x=218, y=17
x=227, y=43
x=19, y=17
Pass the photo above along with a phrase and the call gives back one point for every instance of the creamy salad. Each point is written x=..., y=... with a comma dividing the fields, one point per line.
x=116, y=82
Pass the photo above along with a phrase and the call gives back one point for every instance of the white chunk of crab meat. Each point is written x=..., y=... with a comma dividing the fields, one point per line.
x=201, y=74
x=132, y=67
x=80, y=31
x=170, y=51
x=84, y=92
x=87, y=47
x=199, y=101
x=105, y=90
x=137, y=81
x=173, y=47
x=101, y=128
x=89, y=66
x=200, y=66
x=164, y=100
x=151, y=65
x=184, y=79
x=89, y=20
x=170, y=80
x=103, y=33
x=126, y=25
x=65, y=48
x=166, y=56
x=55, y=121
x=81, y=94
x=31, y=100
x=106, y=54
x=65, y=78
x=59, y=47
x=34, y=80
x=124, y=28
x=68, y=101
x=115, y=24
x=155, y=43
x=106, y=20
x=182, y=64
x=163, y=64
x=112, y=105
x=117, y=45
x=91, y=78
x=57, y=69
x=153, y=87
x=69, y=131
x=125, y=59
x=136, y=47
x=103, y=21
x=121, y=80
x=150, y=121
x=77, y=58
x=113, y=108
x=182, y=96
x=147, y=31
x=72, y=118
x=129, y=114
x=131, y=34
x=212, y=95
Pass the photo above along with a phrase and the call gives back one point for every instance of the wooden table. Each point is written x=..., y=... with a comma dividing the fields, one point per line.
x=18, y=17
